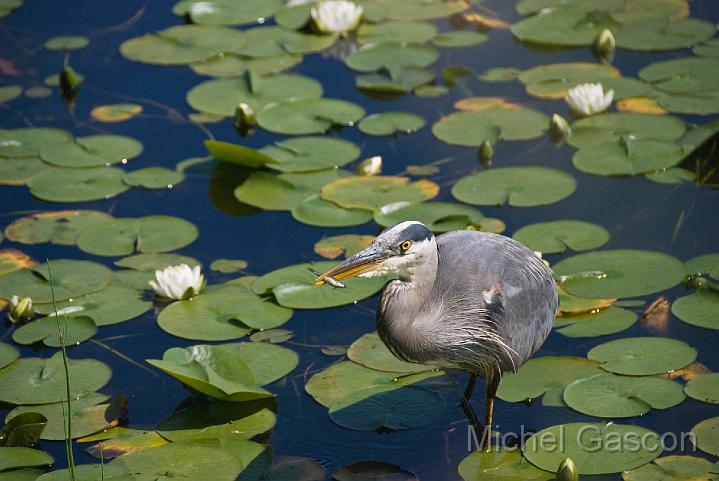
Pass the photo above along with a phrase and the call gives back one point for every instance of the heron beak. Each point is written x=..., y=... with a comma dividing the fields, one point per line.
x=357, y=264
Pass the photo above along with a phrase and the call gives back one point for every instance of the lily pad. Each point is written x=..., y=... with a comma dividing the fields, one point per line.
x=459, y=38
x=611, y=396
x=70, y=278
x=9, y=92
x=619, y=273
x=557, y=236
x=347, y=245
x=704, y=388
x=506, y=465
x=371, y=352
x=272, y=336
x=66, y=42
x=708, y=263
x=543, y=375
x=591, y=324
x=151, y=234
x=229, y=65
x=48, y=329
x=567, y=27
x=227, y=266
x=23, y=430
x=314, y=210
x=304, y=154
x=182, y=44
x=421, y=9
x=274, y=40
x=672, y=468
x=33, y=380
x=221, y=96
x=57, y=227
x=612, y=127
x=8, y=354
x=373, y=192
x=390, y=56
x=660, y=34
x=385, y=406
x=21, y=457
x=115, y=112
x=293, y=286
x=673, y=175
x=554, y=80
x=12, y=260
x=226, y=12
x=707, y=436
x=308, y=116
x=395, y=31
x=642, y=356
x=437, y=216
x=595, y=448
x=500, y=74
x=92, y=151
x=268, y=362
x=471, y=129
x=153, y=262
x=28, y=142
x=153, y=178
x=389, y=123
x=77, y=185
x=519, y=186
x=397, y=81
x=16, y=171
x=699, y=309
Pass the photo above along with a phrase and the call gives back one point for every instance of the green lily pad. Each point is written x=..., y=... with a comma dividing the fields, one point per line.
x=153, y=262
x=689, y=75
x=273, y=40
x=406, y=31
x=23, y=430
x=314, y=210
x=284, y=191
x=500, y=74
x=304, y=154
x=371, y=352
x=708, y=263
x=10, y=92
x=554, y=80
x=211, y=370
x=672, y=175
x=389, y=123
x=707, y=436
x=308, y=115
x=221, y=96
x=660, y=34
x=471, y=129
x=87, y=414
x=591, y=324
x=543, y=375
x=628, y=157
x=57, y=227
x=272, y=336
x=642, y=356
x=70, y=278
x=704, y=388
x=227, y=266
x=700, y=104
x=397, y=81
x=21, y=457
x=182, y=44
x=594, y=448
x=151, y=234
x=221, y=313
x=699, y=309
x=238, y=154
x=384, y=406
x=557, y=236
x=28, y=474
x=16, y=171
x=112, y=305
x=77, y=185
x=226, y=12
x=619, y=273
x=505, y=465
x=391, y=55
x=28, y=142
x=47, y=330
x=288, y=468
x=437, y=216
x=347, y=245
x=8, y=354
x=229, y=65
x=66, y=42
x=33, y=380
x=611, y=396
x=421, y=9
x=268, y=362
x=373, y=192
x=293, y=287
x=217, y=420
x=459, y=38
x=153, y=178
x=710, y=48
x=567, y=27
x=612, y=127
x=519, y=186
x=672, y=468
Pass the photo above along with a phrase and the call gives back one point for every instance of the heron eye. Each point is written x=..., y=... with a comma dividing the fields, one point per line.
x=405, y=245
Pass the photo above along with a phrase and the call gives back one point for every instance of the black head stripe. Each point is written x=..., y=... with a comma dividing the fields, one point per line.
x=415, y=233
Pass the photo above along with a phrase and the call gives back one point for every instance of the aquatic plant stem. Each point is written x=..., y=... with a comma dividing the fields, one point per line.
x=67, y=419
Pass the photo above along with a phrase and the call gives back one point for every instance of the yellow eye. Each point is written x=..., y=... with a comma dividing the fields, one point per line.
x=405, y=245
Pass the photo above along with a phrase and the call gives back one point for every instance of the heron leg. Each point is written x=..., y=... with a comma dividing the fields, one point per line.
x=467, y=407
x=492, y=385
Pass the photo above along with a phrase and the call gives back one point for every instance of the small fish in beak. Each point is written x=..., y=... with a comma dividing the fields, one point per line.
x=359, y=263
x=329, y=280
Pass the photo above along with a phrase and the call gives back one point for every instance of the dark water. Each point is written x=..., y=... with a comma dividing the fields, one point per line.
x=682, y=220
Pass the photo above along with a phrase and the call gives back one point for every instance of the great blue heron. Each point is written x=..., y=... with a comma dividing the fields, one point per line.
x=470, y=300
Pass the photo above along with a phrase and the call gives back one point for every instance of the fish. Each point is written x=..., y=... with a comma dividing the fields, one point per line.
x=329, y=280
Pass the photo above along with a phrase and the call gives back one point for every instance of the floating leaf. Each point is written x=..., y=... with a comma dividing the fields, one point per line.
x=29, y=141
x=506, y=464
x=500, y=74
x=406, y=31
x=706, y=436
x=673, y=175
x=431, y=91
x=619, y=273
x=17, y=171
x=92, y=151
x=308, y=116
x=554, y=80
x=704, y=388
x=8, y=354
x=303, y=154
x=372, y=192
x=21, y=457
x=33, y=380
x=347, y=245
x=66, y=42
x=23, y=430
x=151, y=234
x=568, y=27
x=227, y=266
x=12, y=260
x=459, y=38
x=117, y=446
x=272, y=336
x=421, y=9
x=271, y=41
x=471, y=129
x=70, y=278
x=397, y=81
x=57, y=227
x=437, y=216
x=116, y=112
x=153, y=178
x=660, y=34
x=519, y=186
x=371, y=352
x=391, y=55
x=556, y=236
x=628, y=157
x=672, y=468
x=601, y=323
x=314, y=210
x=229, y=65
x=9, y=92
x=77, y=185
x=699, y=309
x=641, y=356
x=640, y=105
x=47, y=330
x=226, y=12
x=388, y=123
x=153, y=262
x=373, y=470
x=594, y=448
x=288, y=468
x=612, y=127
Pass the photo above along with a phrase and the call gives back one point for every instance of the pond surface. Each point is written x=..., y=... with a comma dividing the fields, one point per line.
x=678, y=219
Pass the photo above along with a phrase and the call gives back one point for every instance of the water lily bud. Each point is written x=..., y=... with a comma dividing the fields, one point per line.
x=604, y=44
x=371, y=166
x=69, y=82
x=486, y=151
x=567, y=471
x=559, y=127
x=20, y=309
x=245, y=119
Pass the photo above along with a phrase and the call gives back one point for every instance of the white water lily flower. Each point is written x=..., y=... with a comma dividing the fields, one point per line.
x=178, y=282
x=336, y=16
x=589, y=99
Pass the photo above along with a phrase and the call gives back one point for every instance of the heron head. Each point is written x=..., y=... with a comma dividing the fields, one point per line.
x=397, y=250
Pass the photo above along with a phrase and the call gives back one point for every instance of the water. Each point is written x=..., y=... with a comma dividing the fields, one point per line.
x=681, y=220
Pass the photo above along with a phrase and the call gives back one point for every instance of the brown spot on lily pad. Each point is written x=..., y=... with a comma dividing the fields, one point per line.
x=477, y=104
x=642, y=105
x=115, y=112
x=12, y=260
